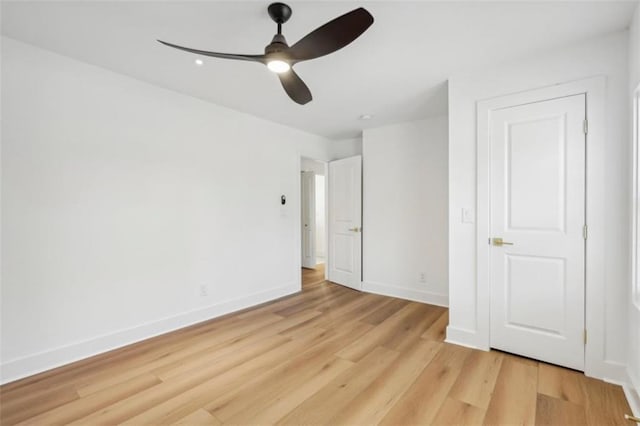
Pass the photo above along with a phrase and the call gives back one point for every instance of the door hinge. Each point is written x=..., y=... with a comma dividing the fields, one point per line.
x=584, y=335
x=584, y=232
x=585, y=126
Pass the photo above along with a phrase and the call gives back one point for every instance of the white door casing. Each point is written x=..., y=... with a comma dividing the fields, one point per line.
x=308, y=223
x=345, y=222
x=537, y=203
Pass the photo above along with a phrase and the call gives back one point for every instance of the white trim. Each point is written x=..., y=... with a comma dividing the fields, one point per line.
x=36, y=363
x=406, y=293
x=632, y=392
x=632, y=388
x=594, y=89
x=298, y=233
x=463, y=337
x=635, y=197
x=327, y=260
x=613, y=372
x=633, y=399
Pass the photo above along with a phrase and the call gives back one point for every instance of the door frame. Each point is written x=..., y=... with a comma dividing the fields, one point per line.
x=308, y=204
x=298, y=221
x=594, y=88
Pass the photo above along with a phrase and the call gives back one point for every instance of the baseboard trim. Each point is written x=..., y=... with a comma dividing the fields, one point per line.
x=463, y=337
x=611, y=372
x=406, y=293
x=632, y=392
x=37, y=363
x=633, y=398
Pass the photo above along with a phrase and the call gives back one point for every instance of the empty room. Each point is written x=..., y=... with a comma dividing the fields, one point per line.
x=320, y=212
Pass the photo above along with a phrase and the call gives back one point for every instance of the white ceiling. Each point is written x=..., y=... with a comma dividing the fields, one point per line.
x=396, y=71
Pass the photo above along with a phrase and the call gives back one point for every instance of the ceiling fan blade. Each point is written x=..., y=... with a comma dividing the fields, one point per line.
x=332, y=36
x=295, y=87
x=255, y=58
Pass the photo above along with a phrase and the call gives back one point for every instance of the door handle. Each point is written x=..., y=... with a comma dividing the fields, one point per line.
x=499, y=243
x=356, y=229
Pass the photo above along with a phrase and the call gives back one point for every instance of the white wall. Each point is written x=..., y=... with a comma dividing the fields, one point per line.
x=634, y=308
x=405, y=210
x=121, y=199
x=604, y=56
x=343, y=148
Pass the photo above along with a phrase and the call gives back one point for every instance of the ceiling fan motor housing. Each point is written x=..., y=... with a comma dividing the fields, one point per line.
x=279, y=12
x=278, y=44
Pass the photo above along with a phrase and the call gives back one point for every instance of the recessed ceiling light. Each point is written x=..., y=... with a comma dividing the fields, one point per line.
x=366, y=117
x=199, y=62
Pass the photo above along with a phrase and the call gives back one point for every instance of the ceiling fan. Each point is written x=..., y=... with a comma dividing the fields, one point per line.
x=280, y=58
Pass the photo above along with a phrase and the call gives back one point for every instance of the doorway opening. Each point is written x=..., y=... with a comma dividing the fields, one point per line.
x=313, y=221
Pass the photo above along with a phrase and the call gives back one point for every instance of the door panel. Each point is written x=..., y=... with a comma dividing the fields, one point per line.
x=308, y=185
x=538, y=205
x=345, y=218
x=524, y=302
x=530, y=150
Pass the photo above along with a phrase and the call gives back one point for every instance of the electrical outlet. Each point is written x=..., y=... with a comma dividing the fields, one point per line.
x=422, y=277
x=204, y=290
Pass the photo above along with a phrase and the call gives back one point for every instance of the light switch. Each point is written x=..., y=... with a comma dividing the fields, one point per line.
x=467, y=215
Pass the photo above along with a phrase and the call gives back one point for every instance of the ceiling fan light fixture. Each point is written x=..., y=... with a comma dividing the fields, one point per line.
x=280, y=58
x=278, y=66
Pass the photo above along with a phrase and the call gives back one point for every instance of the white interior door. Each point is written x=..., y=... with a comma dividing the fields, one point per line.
x=308, y=196
x=537, y=203
x=345, y=221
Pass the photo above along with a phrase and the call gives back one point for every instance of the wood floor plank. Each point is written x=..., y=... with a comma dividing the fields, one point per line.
x=605, y=403
x=454, y=412
x=269, y=406
x=199, y=418
x=413, y=326
x=157, y=395
x=373, y=403
x=323, y=321
x=561, y=383
x=16, y=410
x=82, y=407
x=438, y=329
x=422, y=401
x=356, y=309
x=276, y=383
x=178, y=405
x=391, y=328
x=336, y=395
x=552, y=411
x=390, y=307
x=174, y=353
x=202, y=359
x=515, y=394
x=478, y=378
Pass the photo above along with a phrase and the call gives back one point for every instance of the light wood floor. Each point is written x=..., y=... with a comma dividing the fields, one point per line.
x=328, y=355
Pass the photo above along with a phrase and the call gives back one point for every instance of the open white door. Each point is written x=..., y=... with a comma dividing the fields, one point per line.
x=308, y=196
x=537, y=219
x=345, y=222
